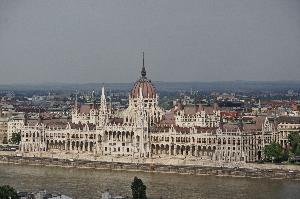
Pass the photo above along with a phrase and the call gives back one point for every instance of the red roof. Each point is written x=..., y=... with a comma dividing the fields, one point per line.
x=148, y=89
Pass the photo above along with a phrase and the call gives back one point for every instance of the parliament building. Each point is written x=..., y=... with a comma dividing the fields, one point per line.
x=145, y=131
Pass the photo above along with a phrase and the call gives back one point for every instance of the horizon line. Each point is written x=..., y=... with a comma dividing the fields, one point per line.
x=157, y=81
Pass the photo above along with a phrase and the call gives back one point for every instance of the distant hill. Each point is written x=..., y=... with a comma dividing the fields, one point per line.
x=166, y=86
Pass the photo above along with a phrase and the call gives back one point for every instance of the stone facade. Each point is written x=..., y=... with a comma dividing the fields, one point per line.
x=198, y=116
x=143, y=131
x=213, y=144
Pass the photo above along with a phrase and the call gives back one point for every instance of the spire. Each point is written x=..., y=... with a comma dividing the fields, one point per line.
x=103, y=114
x=103, y=92
x=143, y=69
x=103, y=106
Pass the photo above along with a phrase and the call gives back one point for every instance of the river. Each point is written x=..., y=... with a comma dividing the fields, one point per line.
x=89, y=183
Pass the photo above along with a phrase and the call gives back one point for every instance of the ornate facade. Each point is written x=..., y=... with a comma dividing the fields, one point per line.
x=214, y=144
x=146, y=131
x=185, y=117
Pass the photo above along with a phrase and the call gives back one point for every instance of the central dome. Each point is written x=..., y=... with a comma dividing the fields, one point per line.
x=148, y=89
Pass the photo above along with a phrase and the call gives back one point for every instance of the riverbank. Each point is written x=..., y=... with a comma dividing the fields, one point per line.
x=253, y=170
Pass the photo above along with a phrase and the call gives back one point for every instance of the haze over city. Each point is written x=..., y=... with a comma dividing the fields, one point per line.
x=102, y=41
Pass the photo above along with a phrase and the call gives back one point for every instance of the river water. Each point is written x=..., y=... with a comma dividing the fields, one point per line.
x=89, y=183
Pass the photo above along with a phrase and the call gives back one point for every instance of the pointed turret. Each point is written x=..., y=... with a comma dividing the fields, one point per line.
x=103, y=114
x=102, y=91
x=103, y=105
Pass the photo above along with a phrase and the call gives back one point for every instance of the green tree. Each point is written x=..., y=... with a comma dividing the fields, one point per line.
x=15, y=138
x=285, y=155
x=294, y=141
x=273, y=152
x=138, y=189
x=297, y=150
x=7, y=192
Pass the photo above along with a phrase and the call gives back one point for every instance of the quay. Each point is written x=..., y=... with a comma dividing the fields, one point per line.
x=290, y=172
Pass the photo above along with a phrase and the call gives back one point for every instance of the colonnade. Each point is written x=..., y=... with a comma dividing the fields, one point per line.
x=182, y=150
x=119, y=136
x=79, y=146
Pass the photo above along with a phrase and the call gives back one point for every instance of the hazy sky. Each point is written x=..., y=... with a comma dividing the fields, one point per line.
x=102, y=41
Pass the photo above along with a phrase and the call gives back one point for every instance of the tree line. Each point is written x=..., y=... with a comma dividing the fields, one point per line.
x=276, y=153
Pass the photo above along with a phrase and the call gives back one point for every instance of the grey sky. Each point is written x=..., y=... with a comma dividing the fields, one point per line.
x=102, y=41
